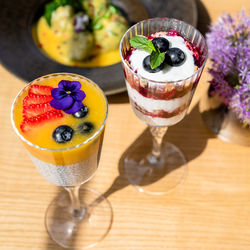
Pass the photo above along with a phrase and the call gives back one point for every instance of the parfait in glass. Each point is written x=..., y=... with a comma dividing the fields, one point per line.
x=60, y=118
x=162, y=60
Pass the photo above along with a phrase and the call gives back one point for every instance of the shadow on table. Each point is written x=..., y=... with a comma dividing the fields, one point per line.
x=188, y=131
x=118, y=98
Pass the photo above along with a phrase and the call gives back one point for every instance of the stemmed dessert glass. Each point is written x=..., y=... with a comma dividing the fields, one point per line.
x=161, y=169
x=78, y=218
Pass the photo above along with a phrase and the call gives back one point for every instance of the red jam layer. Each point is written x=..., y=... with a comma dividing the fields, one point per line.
x=160, y=113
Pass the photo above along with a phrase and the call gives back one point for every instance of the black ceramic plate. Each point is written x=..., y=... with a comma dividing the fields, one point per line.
x=20, y=55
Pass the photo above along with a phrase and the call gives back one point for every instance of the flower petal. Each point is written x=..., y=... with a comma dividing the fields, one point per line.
x=74, y=108
x=64, y=84
x=77, y=85
x=63, y=103
x=78, y=95
x=69, y=85
x=58, y=93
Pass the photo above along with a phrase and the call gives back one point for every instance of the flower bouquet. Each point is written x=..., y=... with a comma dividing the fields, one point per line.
x=229, y=52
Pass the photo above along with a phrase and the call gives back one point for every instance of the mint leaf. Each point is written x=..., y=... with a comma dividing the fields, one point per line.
x=141, y=42
x=156, y=59
x=151, y=45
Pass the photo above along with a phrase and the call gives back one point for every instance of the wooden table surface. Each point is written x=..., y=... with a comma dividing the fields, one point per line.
x=209, y=210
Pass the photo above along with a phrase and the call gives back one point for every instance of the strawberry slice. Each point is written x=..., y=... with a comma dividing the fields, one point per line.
x=35, y=121
x=40, y=90
x=36, y=109
x=36, y=99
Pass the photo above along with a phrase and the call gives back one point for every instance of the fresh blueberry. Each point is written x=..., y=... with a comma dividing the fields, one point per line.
x=174, y=57
x=81, y=113
x=63, y=134
x=86, y=127
x=161, y=43
x=147, y=67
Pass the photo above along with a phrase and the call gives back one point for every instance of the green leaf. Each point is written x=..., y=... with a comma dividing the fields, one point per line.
x=113, y=9
x=97, y=26
x=156, y=59
x=49, y=8
x=140, y=42
x=151, y=45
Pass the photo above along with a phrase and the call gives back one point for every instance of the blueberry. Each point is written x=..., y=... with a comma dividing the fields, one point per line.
x=63, y=134
x=161, y=43
x=81, y=113
x=147, y=67
x=86, y=127
x=174, y=57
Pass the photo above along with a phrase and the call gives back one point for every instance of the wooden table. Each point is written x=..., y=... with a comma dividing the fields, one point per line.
x=209, y=210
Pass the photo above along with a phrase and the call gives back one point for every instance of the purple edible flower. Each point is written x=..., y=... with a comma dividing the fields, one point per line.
x=68, y=96
x=229, y=50
x=80, y=22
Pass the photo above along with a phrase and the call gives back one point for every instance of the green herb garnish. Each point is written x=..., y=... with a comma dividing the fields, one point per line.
x=141, y=42
x=97, y=26
x=156, y=59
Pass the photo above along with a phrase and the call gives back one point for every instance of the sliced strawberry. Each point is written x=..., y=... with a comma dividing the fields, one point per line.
x=35, y=121
x=36, y=99
x=36, y=109
x=39, y=90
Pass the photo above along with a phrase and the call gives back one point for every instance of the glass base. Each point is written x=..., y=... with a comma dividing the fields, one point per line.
x=86, y=229
x=155, y=176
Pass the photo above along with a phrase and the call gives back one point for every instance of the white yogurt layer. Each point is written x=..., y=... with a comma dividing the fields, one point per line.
x=152, y=105
x=168, y=73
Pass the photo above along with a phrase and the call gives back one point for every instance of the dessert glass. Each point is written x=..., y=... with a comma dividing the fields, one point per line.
x=162, y=168
x=78, y=218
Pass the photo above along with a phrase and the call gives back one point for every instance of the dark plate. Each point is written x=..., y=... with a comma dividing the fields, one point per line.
x=20, y=55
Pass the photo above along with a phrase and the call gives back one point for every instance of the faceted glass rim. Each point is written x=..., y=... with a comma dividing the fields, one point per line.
x=163, y=82
x=60, y=149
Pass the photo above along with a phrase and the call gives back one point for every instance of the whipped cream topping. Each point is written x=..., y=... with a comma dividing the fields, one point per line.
x=168, y=73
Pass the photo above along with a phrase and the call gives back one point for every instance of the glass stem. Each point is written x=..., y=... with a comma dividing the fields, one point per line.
x=157, y=136
x=76, y=210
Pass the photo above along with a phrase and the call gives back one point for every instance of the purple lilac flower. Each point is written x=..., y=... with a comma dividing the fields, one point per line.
x=240, y=103
x=68, y=96
x=229, y=50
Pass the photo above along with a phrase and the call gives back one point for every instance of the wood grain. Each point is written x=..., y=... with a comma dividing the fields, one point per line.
x=209, y=210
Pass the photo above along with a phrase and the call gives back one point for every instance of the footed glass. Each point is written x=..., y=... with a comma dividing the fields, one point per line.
x=159, y=104
x=80, y=217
